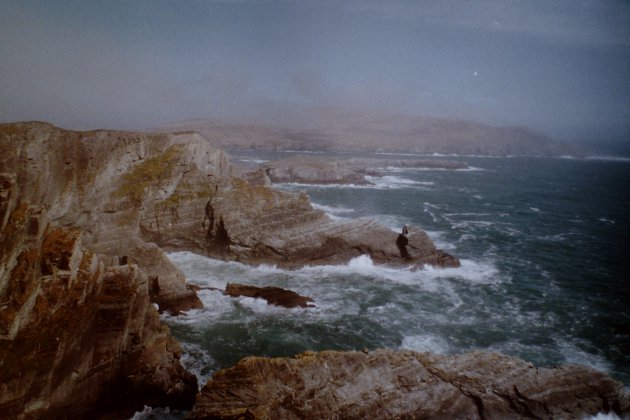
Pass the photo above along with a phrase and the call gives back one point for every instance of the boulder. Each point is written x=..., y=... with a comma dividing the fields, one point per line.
x=273, y=295
x=405, y=384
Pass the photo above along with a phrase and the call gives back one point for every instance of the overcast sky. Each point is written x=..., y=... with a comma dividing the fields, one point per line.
x=561, y=67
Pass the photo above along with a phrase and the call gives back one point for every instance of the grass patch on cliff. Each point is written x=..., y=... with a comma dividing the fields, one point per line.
x=184, y=192
x=152, y=171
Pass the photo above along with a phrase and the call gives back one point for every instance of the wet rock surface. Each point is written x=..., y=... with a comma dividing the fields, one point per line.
x=404, y=385
x=273, y=295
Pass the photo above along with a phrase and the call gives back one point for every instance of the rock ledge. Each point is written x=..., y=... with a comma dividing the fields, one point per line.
x=405, y=384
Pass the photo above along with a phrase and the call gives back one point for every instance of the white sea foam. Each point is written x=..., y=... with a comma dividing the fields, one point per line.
x=294, y=186
x=475, y=272
x=471, y=271
x=438, y=239
x=603, y=416
x=253, y=160
x=468, y=214
x=198, y=361
x=162, y=413
x=333, y=211
x=575, y=355
x=396, y=182
x=605, y=220
x=425, y=342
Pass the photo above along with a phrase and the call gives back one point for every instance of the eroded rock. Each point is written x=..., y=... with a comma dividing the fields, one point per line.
x=405, y=384
x=79, y=338
x=273, y=295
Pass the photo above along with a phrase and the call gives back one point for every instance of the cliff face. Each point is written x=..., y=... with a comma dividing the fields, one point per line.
x=78, y=337
x=104, y=183
x=84, y=218
x=405, y=385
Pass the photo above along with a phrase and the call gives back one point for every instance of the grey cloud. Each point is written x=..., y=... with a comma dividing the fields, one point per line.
x=567, y=21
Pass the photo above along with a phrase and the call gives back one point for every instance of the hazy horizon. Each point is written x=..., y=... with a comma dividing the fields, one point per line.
x=561, y=68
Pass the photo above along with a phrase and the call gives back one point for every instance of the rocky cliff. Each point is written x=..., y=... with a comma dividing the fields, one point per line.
x=85, y=217
x=405, y=385
x=78, y=335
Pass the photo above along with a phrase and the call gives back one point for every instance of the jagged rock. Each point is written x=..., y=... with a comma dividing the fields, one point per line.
x=177, y=191
x=264, y=225
x=79, y=338
x=85, y=217
x=273, y=295
x=121, y=189
x=405, y=384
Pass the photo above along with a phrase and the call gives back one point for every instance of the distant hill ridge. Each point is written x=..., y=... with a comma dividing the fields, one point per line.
x=380, y=133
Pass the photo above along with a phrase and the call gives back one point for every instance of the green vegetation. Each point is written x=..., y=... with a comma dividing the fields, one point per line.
x=152, y=171
x=185, y=192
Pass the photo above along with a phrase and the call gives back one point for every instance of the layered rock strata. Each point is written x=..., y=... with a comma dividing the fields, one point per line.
x=85, y=217
x=257, y=224
x=324, y=170
x=78, y=336
x=405, y=385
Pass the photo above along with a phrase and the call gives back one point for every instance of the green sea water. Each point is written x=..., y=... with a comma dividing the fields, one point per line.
x=545, y=272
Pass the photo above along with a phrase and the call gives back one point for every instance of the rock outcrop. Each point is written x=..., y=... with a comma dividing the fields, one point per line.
x=320, y=170
x=108, y=184
x=78, y=336
x=257, y=224
x=85, y=217
x=178, y=192
x=273, y=295
x=405, y=385
x=313, y=170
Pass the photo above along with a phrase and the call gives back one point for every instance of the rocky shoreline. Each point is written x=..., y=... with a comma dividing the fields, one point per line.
x=324, y=170
x=85, y=218
x=405, y=384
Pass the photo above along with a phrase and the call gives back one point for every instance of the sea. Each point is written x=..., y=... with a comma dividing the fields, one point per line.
x=545, y=270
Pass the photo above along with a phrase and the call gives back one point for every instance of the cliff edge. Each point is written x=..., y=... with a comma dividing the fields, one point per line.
x=85, y=217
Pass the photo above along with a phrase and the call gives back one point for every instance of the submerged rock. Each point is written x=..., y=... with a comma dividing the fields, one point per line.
x=405, y=384
x=273, y=295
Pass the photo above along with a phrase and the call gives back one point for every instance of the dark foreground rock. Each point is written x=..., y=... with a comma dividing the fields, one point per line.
x=405, y=385
x=273, y=295
x=79, y=338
